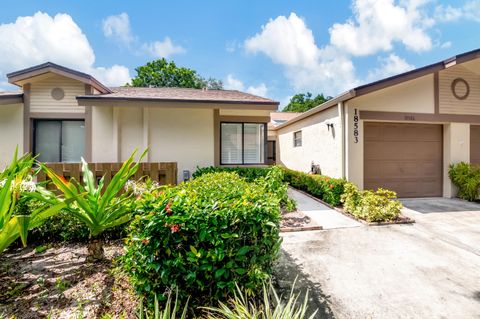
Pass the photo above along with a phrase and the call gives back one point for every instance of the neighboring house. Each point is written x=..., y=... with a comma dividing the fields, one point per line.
x=62, y=115
x=276, y=118
x=399, y=133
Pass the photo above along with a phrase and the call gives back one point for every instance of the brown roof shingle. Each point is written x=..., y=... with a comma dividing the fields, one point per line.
x=180, y=94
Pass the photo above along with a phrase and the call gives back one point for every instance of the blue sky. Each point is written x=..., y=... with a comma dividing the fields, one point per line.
x=272, y=48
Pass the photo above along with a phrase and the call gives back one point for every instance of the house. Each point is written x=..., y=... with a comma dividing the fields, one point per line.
x=63, y=115
x=276, y=118
x=399, y=133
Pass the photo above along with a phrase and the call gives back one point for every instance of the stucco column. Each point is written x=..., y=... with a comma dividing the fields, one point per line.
x=456, y=149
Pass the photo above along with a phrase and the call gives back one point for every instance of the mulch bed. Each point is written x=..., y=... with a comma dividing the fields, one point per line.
x=297, y=221
x=59, y=283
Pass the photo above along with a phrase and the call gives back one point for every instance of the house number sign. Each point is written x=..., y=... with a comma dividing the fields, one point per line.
x=355, y=126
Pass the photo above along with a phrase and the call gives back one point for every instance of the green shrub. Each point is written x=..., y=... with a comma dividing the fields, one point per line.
x=371, y=206
x=202, y=237
x=323, y=187
x=249, y=173
x=467, y=179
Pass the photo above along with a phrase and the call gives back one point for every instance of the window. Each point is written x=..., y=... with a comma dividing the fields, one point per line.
x=243, y=143
x=297, y=139
x=59, y=141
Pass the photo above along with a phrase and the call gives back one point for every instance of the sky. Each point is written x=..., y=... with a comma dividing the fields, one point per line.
x=272, y=48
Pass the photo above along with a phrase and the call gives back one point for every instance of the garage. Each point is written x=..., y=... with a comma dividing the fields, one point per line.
x=404, y=157
x=475, y=144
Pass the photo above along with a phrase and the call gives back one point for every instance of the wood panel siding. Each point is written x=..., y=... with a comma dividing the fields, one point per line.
x=448, y=103
x=41, y=100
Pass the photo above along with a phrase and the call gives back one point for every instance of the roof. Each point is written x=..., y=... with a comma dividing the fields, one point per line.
x=387, y=82
x=10, y=97
x=169, y=94
x=278, y=118
x=18, y=76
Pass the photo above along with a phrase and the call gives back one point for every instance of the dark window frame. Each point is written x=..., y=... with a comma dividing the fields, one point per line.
x=34, y=132
x=297, y=142
x=265, y=140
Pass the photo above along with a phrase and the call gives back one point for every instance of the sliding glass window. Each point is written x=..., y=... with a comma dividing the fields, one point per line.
x=243, y=143
x=59, y=141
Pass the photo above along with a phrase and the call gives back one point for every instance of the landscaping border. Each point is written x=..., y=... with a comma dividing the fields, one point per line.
x=298, y=229
x=341, y=211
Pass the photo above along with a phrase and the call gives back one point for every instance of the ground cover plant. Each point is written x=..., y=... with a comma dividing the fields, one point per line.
x=203, y=237
x=466, y=177
x=372, y=206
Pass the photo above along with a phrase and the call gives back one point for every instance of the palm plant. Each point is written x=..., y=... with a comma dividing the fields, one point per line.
x=16, y=184
x=98, y=207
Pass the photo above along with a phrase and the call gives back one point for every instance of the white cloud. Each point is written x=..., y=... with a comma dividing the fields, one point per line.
x=117, y=27
x=232, y=83
x=447, y=13
x=40, y=38
x=378, y=24
x=290, y=43
x=159, y=49
x=446, y=45
x=391, y=65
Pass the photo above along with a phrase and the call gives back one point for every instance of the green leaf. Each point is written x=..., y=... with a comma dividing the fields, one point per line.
x=242, y=251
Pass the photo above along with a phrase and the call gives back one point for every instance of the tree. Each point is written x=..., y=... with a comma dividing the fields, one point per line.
x=303, y=102
x=161, y=73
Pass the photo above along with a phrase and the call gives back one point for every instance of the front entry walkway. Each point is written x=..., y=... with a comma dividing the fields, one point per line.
x=321, y=214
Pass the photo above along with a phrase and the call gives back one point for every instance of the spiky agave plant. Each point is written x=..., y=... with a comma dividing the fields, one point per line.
x=98, y=207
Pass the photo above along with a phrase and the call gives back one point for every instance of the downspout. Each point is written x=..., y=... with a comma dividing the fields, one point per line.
x=341, y=111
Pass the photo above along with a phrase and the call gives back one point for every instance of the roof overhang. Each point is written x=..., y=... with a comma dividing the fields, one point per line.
x=98, y=100
x=387, y=82
x=24, y=76
x=14, y=98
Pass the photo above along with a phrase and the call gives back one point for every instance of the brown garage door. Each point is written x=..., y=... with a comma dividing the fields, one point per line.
x=406, y=158
x=475, y=144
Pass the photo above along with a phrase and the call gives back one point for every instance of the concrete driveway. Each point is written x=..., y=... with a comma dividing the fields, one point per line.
x=430, y=269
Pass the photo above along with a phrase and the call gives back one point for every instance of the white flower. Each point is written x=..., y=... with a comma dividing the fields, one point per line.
x=28, y=185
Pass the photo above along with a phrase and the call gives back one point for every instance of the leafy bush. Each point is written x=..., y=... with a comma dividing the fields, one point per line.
x=371, y=206
x=202, y=237
x=249, y=173
x=323, y=187
x=17, y=186
x=467, y=179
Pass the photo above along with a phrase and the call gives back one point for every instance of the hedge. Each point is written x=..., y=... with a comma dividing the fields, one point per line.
x=203, y=237
x=467, y=179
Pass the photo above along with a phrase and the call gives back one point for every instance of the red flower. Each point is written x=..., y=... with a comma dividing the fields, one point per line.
x=168, y=209
x=145, y=241
x=175, y=228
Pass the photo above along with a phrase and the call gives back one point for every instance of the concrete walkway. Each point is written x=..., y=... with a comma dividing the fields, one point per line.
x=430, y=269
x=321, y=214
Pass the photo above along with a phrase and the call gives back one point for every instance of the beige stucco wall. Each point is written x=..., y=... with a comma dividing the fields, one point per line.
x=448, y=103
x=319, y=144
x=42, y=101
x=184, y=136
x=11, y=132
x=456, y=148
